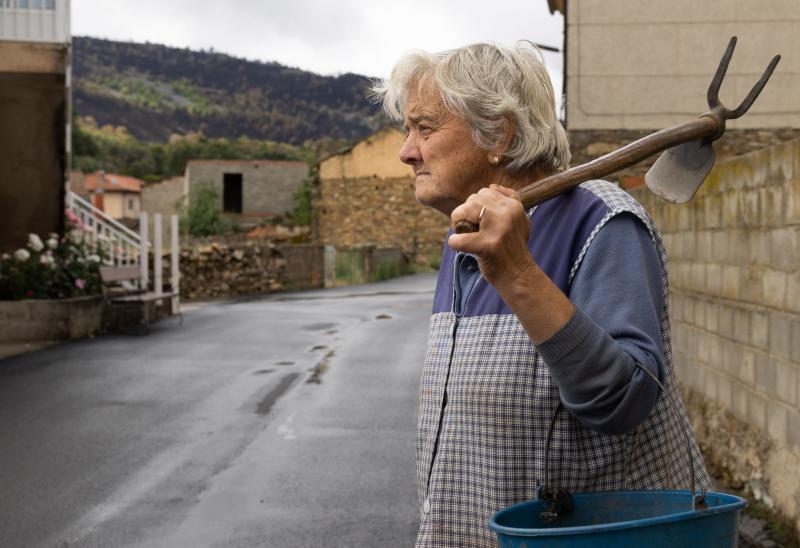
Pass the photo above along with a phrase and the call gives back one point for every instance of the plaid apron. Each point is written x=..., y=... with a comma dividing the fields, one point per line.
x=487, y=400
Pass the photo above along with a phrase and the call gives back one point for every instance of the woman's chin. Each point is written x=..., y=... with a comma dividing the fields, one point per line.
x=434, y=200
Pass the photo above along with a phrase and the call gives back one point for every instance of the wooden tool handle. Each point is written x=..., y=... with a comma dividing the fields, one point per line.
x=706, y=125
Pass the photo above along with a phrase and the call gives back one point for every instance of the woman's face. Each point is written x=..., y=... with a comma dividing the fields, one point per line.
x=448, y=165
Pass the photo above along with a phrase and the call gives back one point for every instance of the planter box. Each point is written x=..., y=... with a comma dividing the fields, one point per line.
x=50, y=320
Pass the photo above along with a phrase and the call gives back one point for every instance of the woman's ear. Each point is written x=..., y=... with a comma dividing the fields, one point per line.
x=497, y=154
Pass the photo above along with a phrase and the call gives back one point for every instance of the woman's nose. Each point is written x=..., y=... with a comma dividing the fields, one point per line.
x=409, y=152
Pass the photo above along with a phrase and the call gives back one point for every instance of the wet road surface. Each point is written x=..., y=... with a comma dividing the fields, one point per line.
x=282, y=421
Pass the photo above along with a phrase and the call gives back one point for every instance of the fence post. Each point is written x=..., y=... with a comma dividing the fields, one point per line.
x=174, y=258
x=157, y=267
x=329, y=268
x=143, y=251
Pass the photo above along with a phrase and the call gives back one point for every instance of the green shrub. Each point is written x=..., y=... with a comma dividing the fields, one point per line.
x=303, y=204
x=202, y=215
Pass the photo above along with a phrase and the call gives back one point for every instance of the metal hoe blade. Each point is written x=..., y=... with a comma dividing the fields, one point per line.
x=680, y=170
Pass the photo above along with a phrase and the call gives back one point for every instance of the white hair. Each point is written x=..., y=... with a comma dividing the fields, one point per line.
x=485, y=84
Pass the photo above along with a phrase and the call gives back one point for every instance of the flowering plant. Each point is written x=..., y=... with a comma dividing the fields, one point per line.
x=57, y=268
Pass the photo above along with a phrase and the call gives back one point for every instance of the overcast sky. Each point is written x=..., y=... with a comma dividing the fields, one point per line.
x=323, y=36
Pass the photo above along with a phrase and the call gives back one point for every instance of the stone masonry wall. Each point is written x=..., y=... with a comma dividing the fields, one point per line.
x=734, y=259
x=379, y=212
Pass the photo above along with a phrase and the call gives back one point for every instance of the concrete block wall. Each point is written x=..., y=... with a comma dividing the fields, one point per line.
x=734, y=260
x=162, y=197
x=268, y=186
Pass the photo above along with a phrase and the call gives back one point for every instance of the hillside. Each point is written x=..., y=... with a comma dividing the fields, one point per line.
x=156, y=91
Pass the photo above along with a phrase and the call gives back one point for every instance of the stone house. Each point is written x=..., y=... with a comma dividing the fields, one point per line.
x=34, y=117
x=634, y=67
x=365, y=196
x=118, y=196
x=250, y=190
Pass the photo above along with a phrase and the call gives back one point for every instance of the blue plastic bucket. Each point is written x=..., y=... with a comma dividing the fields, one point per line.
x=652, y=519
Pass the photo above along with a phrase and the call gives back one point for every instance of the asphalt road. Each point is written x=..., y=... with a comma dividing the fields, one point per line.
x=282, y=421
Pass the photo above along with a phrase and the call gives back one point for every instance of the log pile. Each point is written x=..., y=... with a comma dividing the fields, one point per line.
x=217, y=269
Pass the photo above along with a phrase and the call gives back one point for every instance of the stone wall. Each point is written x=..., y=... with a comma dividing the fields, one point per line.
x=365, y=197
x=734, y=259
x=588, y=144
x=378, y=212
x=226, y=266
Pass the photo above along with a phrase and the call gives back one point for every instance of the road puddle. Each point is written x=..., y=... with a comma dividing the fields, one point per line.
x=265, y=405
x=319, y=326
x=320, y=369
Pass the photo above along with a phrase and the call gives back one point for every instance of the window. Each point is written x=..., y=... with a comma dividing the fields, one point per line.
x=37, y=4
x=131, y=204
x=23, y=4
x=232, y=193
x=50, y=4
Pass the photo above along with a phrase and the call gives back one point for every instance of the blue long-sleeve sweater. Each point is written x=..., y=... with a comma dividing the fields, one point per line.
x=618, y=296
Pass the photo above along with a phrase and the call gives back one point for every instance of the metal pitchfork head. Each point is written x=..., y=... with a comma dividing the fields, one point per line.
x=681, y=170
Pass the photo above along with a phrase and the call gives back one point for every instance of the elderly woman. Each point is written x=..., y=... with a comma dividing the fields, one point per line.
x=543, y=318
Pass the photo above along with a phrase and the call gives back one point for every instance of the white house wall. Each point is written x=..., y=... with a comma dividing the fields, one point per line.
x=640, y=64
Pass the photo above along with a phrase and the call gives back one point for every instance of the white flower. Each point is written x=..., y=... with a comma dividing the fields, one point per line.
x=6, y=256
x=46, y=260
x=52, y=243
x=93, y=258
x=22, y=255
x=53, y=236
x=35, y=242
x=76, y=235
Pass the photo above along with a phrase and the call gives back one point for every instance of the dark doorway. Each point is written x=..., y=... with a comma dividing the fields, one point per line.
x=232, y=193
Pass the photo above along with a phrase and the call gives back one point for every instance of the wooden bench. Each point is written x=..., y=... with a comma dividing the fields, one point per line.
x=121, y=284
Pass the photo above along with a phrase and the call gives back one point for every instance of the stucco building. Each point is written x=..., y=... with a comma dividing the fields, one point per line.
x=118, y=196
x=366, y=197
x=633, y=67
x=250, y=190
x=34, y=117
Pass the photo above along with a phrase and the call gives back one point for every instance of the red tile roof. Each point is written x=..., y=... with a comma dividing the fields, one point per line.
x=113, y=182
x=245, y=162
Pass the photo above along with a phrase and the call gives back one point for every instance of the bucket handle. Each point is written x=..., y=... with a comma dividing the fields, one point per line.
x=559, y=501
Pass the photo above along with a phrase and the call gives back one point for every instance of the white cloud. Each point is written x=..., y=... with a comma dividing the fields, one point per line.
x=324, y=36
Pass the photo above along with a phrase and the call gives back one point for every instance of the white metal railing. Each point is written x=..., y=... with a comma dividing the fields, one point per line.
x=125, y=245
x=35, y=21
x=129, y=248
